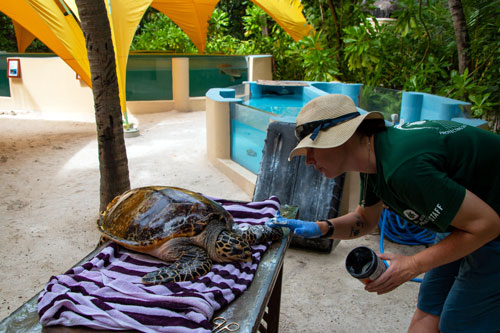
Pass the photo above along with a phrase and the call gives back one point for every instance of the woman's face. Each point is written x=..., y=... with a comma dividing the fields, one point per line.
x=331, y=162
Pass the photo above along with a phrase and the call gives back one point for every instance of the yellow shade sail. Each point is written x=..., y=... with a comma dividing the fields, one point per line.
x=44, y=19
x=54, y=23
x=288, y=14
x=23, y=37
x=124, y=17
x=192, y=16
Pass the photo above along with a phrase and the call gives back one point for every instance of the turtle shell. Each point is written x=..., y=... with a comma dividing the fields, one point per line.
x=146, y=217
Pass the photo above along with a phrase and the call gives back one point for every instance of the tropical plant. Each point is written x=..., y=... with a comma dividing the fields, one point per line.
x=7, y=34
x=157, y=32
x=386, y=101
x=219, y=40
x=317, y=62
x=235, y=10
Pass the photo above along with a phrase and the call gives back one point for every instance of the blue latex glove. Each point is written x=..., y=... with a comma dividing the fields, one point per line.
x=306, y=229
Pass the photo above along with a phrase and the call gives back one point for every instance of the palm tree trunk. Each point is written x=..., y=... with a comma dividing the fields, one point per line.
x=461, y=34
x=113, y=163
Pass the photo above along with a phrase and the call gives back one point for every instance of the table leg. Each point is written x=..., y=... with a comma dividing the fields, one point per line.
x=272, y=316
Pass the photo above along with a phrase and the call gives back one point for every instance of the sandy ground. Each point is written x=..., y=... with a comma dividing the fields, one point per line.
x=50, y=198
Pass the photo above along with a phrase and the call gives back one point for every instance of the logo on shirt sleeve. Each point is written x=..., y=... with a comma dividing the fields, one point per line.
x=410, y=214
x=423, y=219
x=443, y=127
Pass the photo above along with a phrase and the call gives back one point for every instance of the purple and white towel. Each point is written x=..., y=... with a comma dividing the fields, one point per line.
x=106, y=292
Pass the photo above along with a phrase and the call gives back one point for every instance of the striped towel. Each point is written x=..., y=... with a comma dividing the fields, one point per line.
x=106, y=292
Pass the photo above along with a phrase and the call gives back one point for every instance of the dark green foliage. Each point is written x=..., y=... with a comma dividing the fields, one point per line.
x=418, y=53
x=156, y=32
x=386, y=101
x=235, y=10
x=7, y=35
x=8, y=38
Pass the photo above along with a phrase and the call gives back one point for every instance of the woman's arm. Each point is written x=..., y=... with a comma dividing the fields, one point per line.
x=355, y=224
x=476, y=224
x=351, y=225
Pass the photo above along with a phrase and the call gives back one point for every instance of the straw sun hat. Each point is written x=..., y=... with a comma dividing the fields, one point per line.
x=328, y=121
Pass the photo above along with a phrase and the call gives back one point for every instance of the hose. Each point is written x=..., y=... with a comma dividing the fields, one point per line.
x=402, y=233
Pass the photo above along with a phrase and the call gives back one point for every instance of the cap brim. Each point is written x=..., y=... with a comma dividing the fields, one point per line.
x=334, y=136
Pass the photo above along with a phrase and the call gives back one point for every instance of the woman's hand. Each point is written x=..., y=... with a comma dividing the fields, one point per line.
x=401, y=269
x=306, y=229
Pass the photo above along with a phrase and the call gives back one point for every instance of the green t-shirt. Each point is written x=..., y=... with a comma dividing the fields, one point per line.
x=423, y=169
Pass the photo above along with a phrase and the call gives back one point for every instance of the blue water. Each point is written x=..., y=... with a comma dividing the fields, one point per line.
x=283, y=106
x=247, y=143
x=249, y=122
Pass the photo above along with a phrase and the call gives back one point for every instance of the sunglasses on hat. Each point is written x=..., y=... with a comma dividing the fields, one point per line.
x=316, y=126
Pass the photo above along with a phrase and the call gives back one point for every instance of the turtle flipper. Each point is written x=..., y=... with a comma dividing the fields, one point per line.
x=260, y=233
x=193, y=263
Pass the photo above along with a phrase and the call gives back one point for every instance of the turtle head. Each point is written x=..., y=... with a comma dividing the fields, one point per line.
x=232, y=247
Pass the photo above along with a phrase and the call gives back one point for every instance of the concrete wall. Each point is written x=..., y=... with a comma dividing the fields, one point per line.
x=219, y=127
x=260, y=67
x=48, y=86
x=219, y=146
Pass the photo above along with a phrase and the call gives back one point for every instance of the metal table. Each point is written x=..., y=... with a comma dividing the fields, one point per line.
x=248, y=310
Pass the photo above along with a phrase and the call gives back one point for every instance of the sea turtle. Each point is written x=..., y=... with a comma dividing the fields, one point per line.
x=181, y=227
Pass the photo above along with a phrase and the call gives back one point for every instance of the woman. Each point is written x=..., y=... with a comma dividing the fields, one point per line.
x=440, y=175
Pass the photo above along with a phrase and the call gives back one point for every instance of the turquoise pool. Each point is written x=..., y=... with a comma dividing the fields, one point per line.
x=250, y=118
x=265, y=103
x=254, y=105
x=249, y=122
x=282, y=106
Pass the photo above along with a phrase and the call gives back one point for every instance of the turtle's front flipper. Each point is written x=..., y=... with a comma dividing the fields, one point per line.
x=260, y=233
x=194, y=262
